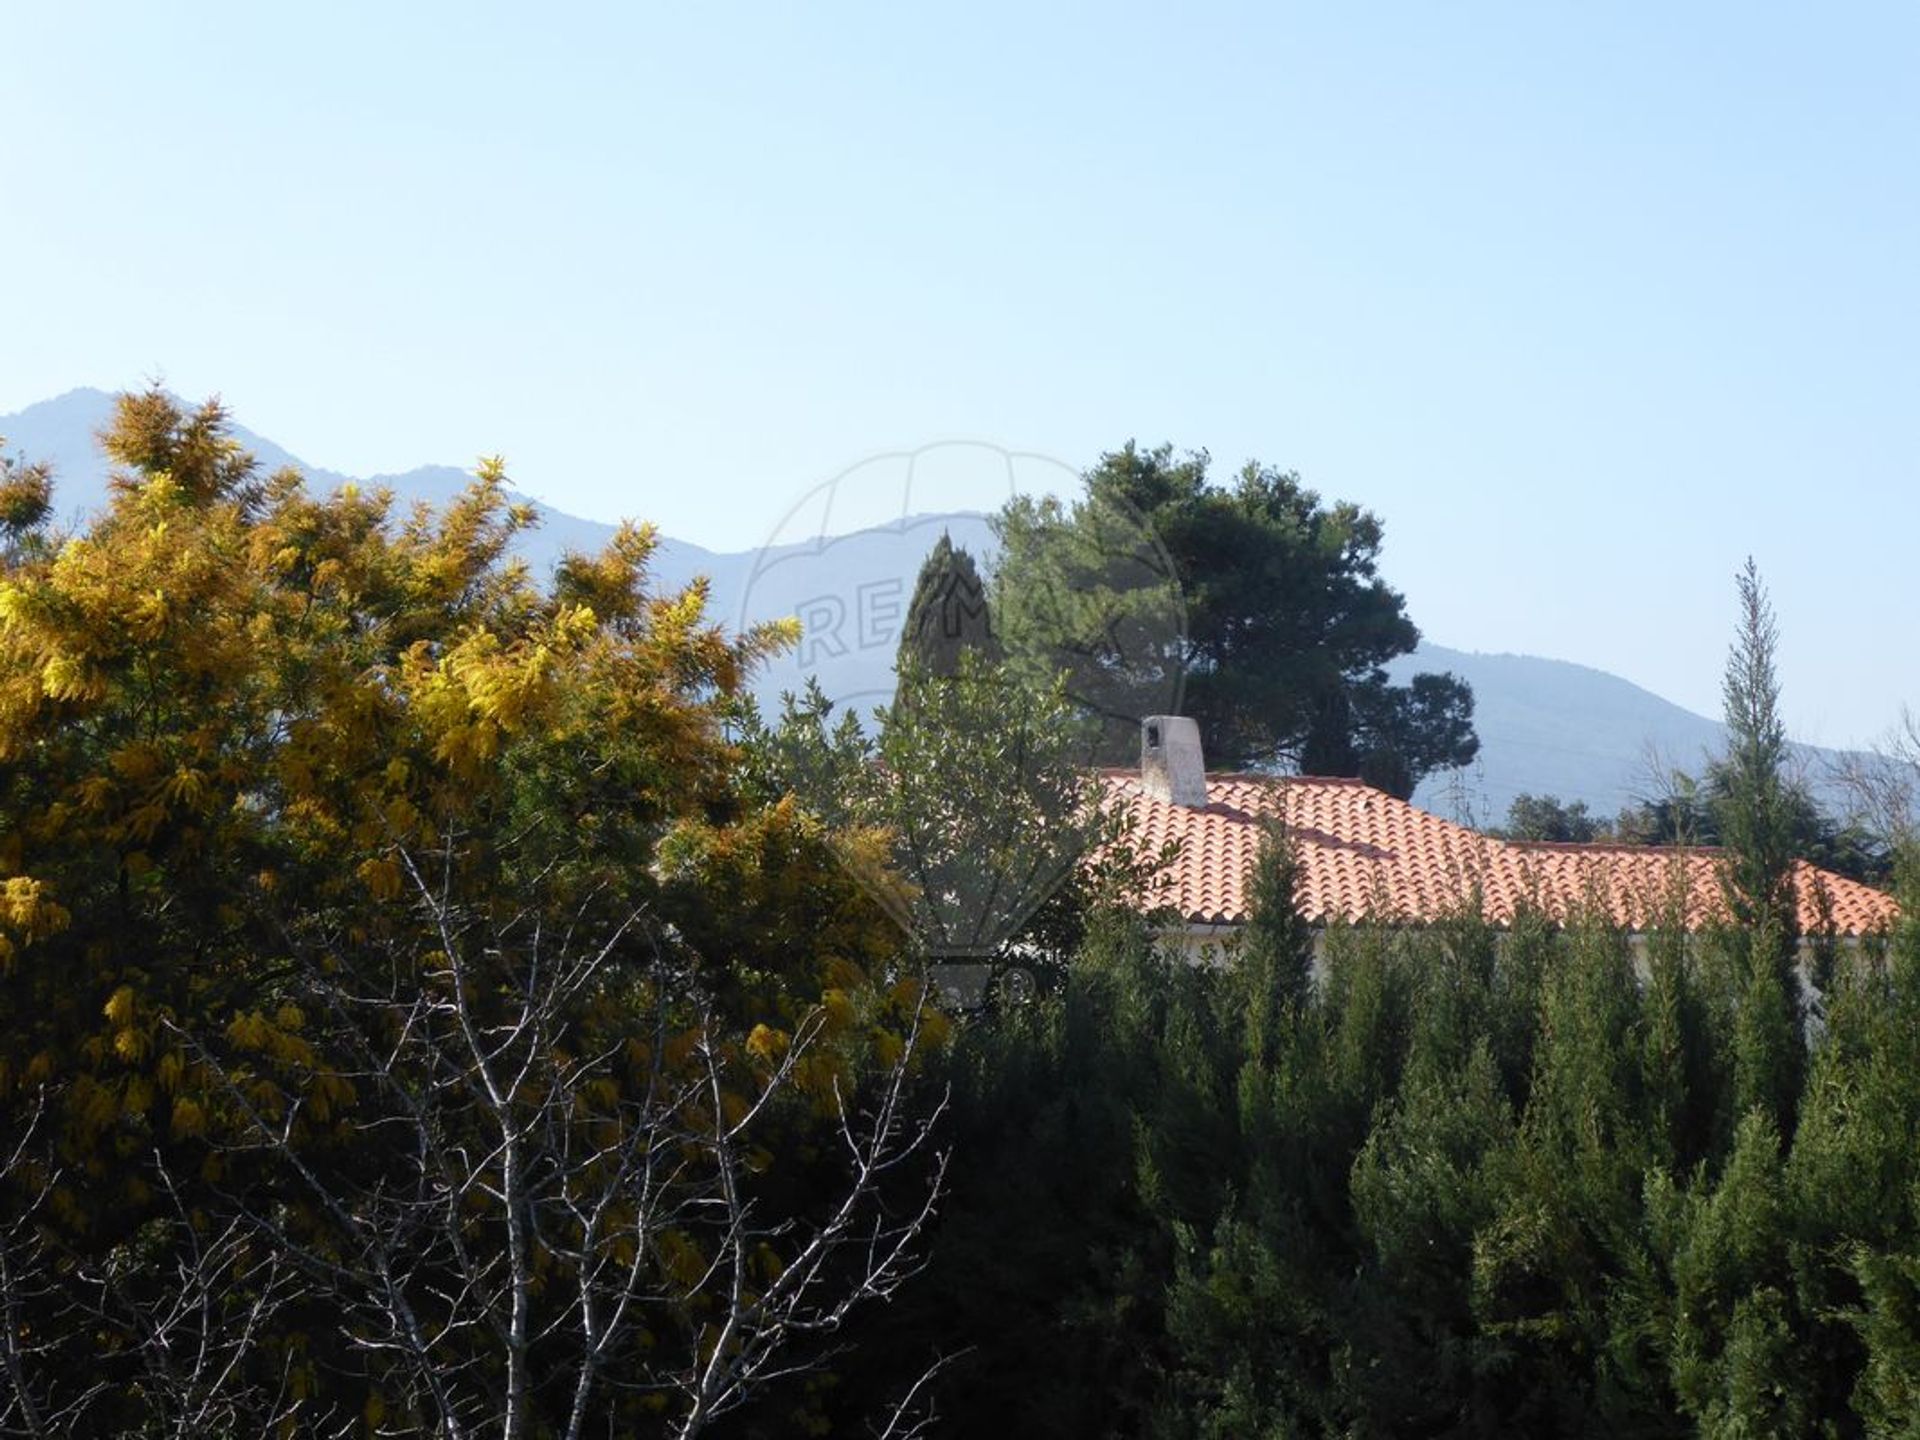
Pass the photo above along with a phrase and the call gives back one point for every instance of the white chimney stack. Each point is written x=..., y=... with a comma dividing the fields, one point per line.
x=1171, y=765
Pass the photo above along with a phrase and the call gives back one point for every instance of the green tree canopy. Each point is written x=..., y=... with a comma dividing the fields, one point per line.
x=1689, y=814
x=1548, y=817
x=1287, y=622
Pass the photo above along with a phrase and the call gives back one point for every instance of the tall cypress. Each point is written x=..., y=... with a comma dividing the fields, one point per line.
x=1754, y=801
x=948, y=614
x=1754, y=807
x=1275, y=969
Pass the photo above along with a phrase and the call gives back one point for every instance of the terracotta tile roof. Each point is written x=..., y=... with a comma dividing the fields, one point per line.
x=1363, y=852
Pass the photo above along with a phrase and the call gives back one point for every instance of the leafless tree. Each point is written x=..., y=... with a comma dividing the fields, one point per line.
x=552, y=1220
x=36, y=1397
x=183, y=1308
x=1883, y=785
x=509, y=1177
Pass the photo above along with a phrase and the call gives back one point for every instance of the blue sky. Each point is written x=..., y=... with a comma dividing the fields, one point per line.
x=1586, y=302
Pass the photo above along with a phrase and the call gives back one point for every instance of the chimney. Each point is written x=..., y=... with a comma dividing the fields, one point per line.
x=1171, y=765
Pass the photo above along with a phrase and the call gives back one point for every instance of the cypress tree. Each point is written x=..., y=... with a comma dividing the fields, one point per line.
x=1275, y=957
x=948, y=614
x=1755, y=809
x=1754, y=801
x=1736, y=1367
x=1856, y=1172
x=1676, y=1060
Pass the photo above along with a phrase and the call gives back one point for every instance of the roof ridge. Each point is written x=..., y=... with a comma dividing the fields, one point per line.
x=1627, y=847
x=1129, y=772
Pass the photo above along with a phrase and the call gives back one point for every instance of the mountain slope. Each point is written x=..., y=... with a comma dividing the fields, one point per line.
x=1546, y=726
x=62, y=433
x=1551, y=727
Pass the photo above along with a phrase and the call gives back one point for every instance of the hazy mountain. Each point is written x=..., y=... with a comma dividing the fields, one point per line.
x=1551, y=727
x=747, y=585
x=1546, y=726
x=62, y=432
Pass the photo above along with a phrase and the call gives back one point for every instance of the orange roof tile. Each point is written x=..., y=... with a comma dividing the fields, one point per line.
x=1363, y=852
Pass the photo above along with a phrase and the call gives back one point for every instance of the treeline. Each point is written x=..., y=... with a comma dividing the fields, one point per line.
x=1465, y=1183
x=1689, y=814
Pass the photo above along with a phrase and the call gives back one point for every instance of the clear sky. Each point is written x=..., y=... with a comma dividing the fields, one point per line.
x=1587, y=302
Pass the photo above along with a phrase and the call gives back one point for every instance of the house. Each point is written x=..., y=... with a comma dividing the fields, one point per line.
x=1365, y=854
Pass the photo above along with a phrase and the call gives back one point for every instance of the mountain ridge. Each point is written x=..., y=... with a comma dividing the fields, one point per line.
x=1547, y=726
